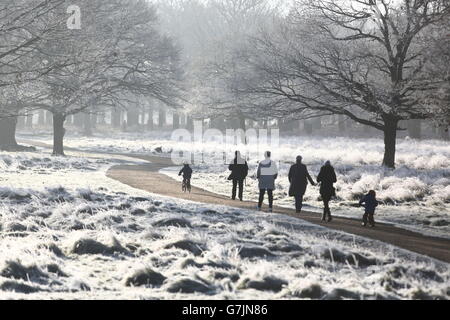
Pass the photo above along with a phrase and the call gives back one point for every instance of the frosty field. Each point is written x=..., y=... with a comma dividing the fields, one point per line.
x=416, y=195
x=69, y=232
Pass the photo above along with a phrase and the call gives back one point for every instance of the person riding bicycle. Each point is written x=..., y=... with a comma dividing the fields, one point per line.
x=187, y=174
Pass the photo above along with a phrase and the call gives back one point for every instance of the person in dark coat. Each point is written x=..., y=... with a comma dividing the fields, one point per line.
x=298, y=178
x=326, y=178
x=239, y=172
x=370, y=203
x=186, y=172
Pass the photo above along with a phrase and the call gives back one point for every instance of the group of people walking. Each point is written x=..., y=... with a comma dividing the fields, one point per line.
x=299, y=178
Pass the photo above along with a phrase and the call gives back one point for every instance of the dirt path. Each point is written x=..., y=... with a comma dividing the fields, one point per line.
x=147, y=177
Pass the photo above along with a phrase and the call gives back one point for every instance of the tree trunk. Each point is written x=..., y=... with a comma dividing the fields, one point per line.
x=433, y=128
x=20, y=122
x=29, y=121
x=142, y=117
x=341, y=123
x=308, y=125
x=350, y=125
x=101, y=118
x=48, y=118
x=41, y=118
x=443, y=132
x=150, y=122
x=390, y=140
x=317, y=123
x=115, y=118
x=189, y=123
x=281, y=123
x=415, y=129
x=183, y=120
x=242, y=124
x=176, y=121
x=94, y=119
x=58, y=134
x=162, y=118
x=78, y=120
x=133, y=118
x=87, y=125
x=8, y=132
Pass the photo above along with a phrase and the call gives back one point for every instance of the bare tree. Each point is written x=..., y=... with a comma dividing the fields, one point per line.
x=23, y=26
x=118, y=54
x=362, y=59
x=437, y=44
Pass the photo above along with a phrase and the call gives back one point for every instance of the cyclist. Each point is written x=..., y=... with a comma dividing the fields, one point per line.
x=187, y=174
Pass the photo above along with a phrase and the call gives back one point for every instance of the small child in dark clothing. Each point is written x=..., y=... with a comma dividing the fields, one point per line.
x=370, y=203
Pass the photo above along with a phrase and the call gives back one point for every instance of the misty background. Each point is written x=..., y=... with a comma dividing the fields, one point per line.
x=327, y=68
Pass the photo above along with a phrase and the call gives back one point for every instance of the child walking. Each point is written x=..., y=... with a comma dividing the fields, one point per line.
x=370, y=203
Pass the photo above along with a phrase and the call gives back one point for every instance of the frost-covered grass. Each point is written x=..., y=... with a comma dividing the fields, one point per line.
x=416, y=195
x=86, y=236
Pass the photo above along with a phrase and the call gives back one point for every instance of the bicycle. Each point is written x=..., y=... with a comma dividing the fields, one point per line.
x=186, y=186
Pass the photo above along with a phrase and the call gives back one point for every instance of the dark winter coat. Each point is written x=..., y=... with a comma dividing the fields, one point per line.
x=327, y=177
x=186, y=172
x=298, y=177
x=239, y=169
x=370, y=203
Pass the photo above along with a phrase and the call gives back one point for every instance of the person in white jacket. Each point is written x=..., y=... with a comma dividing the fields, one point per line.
x=267, y=174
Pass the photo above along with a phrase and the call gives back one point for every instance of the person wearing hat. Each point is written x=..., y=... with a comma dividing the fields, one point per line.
x=298, y=178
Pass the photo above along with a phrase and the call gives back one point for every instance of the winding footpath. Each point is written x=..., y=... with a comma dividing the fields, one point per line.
x=147, y=177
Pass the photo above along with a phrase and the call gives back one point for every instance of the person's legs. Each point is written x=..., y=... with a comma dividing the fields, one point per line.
x=261, y=197
x=270, y=193
x=187, y=183
x=327, y=210
x=365, y=218
x=298, y=203
x=371, y=219
x=233, y=195
x=241, y=189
